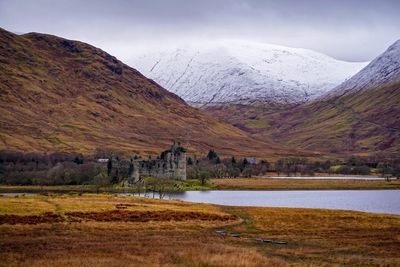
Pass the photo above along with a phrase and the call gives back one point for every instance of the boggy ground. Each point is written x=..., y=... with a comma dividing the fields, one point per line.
x=301, y=184
x=105, y=230
x=221, y=184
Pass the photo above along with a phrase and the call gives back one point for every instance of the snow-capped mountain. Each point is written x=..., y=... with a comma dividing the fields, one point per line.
x=237, y=71
x=383, y=70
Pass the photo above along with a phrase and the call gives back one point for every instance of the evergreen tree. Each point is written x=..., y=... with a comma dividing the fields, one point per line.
x=78, y=160
x=109, y=166
x=212, y=154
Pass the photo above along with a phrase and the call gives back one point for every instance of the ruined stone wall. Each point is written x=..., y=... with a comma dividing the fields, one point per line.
x=171, y=164
x=180, y=171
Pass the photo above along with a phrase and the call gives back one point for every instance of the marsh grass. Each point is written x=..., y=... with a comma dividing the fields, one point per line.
x=180, y=185
x=301, y=184
x=324, y=237
x=107, y=230
x=168, y=233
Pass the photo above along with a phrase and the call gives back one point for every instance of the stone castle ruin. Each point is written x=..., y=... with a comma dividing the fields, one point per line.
x=170, y=164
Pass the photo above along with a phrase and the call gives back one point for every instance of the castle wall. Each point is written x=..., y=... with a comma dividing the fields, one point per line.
x=171, y=165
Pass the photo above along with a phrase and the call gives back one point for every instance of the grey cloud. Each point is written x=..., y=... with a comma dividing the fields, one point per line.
x=351, y=30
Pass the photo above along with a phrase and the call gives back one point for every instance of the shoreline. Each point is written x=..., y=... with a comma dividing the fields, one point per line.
x=253, y=198
x=335, y=177
x=235, y=184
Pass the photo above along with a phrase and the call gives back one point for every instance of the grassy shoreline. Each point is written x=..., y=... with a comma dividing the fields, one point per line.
x=302, y=184
x=182, y=186
x=107, y=230
x=222, y=184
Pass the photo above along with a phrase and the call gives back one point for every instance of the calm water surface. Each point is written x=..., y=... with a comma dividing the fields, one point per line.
x=379, y=201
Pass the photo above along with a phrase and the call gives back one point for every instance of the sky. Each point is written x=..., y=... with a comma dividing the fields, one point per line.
x=352, y=30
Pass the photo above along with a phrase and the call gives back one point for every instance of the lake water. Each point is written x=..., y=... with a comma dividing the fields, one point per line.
x=378, y=201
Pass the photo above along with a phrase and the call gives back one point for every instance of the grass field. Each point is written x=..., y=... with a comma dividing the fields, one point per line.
x=105, y=230
x=181, y=186
x=299, y=184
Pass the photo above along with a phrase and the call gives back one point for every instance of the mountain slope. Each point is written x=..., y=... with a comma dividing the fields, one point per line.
x=63, y=95
x=360, y=116
x=242, y=72
x=382, y=71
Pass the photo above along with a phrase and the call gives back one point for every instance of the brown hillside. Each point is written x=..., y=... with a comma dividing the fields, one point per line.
x=63, y=95
x=355, y=123
x=360, y=116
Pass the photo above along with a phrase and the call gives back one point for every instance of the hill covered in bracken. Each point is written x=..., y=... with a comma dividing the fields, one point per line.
x=361, y=116
x=63, y=95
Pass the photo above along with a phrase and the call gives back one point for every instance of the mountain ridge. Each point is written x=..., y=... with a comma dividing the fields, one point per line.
x=242, y=72
x=361, y=116
x=383, y=70
x=64, y=95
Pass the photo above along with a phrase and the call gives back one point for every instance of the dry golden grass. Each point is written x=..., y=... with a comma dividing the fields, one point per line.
x=185, y=239
x=300, y=184
x=94, y=203
x=325, y=237
x=123, y=244
x=182, y=234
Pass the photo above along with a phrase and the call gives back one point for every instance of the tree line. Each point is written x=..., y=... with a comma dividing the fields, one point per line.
x=49, y=169
x=212, y=166
x=17, y=168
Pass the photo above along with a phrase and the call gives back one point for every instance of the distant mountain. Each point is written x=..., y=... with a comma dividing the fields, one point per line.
x=382, y=71
x=63, y=95
x=243, y=72
x=360, y=116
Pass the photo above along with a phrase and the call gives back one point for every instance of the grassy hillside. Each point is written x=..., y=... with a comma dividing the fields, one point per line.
x=63, y=95
x=359, y=123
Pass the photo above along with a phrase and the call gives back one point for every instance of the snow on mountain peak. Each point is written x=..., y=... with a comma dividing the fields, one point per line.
x=383, y=70
x=238, y=71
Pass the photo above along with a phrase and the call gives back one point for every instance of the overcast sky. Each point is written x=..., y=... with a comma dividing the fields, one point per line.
x=354, y=30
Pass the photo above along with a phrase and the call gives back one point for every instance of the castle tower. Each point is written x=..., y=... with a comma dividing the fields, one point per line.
x=134, y=172
x=180, y=171
x=178, y=154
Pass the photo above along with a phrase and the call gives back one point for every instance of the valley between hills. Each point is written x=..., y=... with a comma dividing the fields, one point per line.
x=359, y=117
x=360, y=124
